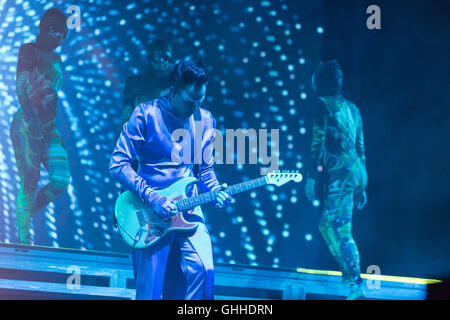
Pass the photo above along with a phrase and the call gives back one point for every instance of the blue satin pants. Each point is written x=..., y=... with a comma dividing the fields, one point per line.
x=179, y=267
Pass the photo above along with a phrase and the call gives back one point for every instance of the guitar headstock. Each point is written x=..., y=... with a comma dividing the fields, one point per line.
x=279, y=178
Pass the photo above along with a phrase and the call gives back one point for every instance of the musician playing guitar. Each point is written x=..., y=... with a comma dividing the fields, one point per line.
x=179, y=266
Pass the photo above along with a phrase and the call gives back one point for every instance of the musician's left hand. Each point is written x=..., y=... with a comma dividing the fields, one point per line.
x=222, y=198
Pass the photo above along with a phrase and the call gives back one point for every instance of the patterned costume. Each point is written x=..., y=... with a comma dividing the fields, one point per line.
x=338, y=152
x=179, y=267
x=31, y=151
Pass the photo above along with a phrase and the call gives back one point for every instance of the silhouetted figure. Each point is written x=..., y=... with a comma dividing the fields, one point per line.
x=179, y=266
x=34, y=135
x=337, y=152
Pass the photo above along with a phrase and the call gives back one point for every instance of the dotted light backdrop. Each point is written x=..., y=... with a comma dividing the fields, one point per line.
x=260, y=56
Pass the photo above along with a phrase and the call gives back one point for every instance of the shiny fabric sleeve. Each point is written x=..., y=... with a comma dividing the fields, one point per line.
x=130, y=140
x=207, y=178
x=318, y=140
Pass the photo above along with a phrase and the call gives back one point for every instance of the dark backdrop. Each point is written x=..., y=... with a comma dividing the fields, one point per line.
x=399, y=77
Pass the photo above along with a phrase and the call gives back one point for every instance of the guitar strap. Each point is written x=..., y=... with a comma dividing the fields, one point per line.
x=197, y=142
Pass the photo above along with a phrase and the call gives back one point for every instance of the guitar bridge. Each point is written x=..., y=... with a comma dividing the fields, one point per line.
x=142, y=218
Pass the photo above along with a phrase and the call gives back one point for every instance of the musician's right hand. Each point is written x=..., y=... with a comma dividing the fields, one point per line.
x=167, y=210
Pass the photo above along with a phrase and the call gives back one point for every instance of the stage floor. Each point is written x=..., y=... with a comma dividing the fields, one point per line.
x=37, y=272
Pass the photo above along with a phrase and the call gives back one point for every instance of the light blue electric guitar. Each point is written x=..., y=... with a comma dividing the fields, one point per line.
x=141, y=227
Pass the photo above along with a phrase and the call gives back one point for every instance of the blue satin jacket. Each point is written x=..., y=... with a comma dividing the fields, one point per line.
x=148, y=136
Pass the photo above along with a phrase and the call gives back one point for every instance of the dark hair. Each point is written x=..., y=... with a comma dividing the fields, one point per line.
x=328, y=77
x=158, y=45
x=188, y=72
x=51, y=16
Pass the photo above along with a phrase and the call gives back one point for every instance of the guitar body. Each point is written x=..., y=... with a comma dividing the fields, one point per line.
x=140, y=226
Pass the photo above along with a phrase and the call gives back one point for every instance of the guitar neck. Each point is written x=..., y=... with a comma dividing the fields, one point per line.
x=198, y=200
